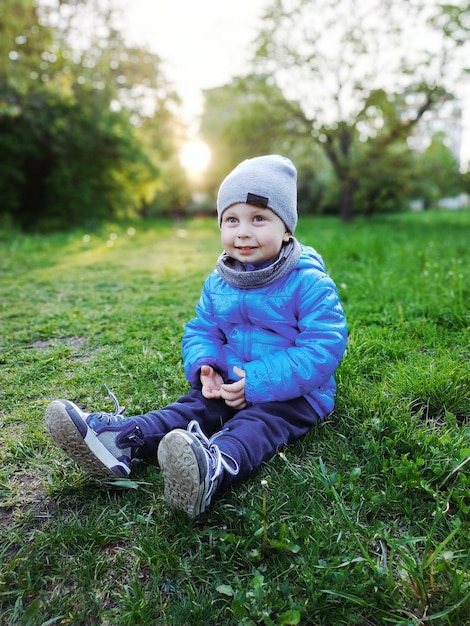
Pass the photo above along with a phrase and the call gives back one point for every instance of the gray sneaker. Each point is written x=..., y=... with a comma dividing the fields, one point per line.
x=193, y=468
x=104, y=444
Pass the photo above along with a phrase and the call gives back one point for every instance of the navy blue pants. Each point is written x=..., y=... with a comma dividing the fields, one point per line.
x=250, y=435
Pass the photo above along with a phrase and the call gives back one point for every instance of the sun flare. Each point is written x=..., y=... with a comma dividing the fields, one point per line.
x=195, y=156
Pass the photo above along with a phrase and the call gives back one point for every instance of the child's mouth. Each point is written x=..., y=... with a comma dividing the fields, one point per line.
x=244, y=248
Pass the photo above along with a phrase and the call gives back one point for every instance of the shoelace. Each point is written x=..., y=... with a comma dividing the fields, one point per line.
x=220, y=460
x=118, y=415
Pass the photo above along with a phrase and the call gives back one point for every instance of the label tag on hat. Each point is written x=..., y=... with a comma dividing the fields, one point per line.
x=252, y=198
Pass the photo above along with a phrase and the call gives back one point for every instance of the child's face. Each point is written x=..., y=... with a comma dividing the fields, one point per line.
x=252, y=234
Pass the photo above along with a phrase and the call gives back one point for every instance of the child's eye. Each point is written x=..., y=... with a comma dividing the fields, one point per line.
x=258, y=218
x=230, y=219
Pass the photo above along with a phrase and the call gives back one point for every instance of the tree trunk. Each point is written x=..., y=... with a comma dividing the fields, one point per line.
x=338, y=150
x=346, y=203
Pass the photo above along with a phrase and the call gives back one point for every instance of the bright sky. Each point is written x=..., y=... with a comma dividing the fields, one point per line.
x=203, y=42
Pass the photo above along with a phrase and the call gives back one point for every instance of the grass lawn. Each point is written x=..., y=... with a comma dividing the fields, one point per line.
x=365, y=521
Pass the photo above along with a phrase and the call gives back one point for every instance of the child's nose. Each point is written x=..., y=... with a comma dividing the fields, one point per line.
x=243, y=230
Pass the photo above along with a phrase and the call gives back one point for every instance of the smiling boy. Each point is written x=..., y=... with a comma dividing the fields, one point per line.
x=260, y=355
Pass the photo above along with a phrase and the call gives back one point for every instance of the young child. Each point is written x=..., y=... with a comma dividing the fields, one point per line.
x=260, y=355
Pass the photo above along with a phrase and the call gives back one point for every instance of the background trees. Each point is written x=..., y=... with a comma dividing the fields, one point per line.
x=356, y=79
x=87, y=124
x=251, y=116
x=364, y=72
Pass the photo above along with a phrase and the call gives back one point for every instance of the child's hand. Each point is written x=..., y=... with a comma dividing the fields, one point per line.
x=211, y=382
x=234, y=393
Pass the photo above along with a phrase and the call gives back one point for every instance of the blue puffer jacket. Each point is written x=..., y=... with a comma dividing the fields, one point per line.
x=289, y=336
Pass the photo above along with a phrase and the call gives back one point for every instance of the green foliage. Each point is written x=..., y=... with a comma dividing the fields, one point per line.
x=23, y=38
x=437, y=173
x=363, y=521
x=385, y=184
x=250, y=116
x=466, y=181
x=341, y=70
x=69, y=164
x=85, y=133
x=243, y=119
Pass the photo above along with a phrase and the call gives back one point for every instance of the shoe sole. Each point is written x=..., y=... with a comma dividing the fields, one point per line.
x=71, y=433
x=184, y=467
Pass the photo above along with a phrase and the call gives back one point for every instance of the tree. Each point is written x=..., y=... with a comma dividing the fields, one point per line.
x=23, y=40
x=436, y=172
x=247, y=117
x=340, y=58
x=75, y=114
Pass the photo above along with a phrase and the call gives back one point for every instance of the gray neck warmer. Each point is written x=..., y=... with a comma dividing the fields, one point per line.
x=237, y=275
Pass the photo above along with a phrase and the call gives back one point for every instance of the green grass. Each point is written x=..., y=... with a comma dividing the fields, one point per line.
x=365, y=521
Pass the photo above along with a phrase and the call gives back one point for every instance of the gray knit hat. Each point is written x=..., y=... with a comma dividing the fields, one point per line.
x=267, y=181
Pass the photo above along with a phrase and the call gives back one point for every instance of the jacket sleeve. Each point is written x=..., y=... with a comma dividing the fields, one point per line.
x=319, y=346
x=203, y=341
